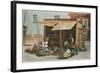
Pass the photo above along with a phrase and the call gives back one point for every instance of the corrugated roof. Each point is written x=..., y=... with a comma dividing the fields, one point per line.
x=68, y=25
x=50, y=24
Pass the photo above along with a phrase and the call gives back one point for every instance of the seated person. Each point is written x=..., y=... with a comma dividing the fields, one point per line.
x=52, y=45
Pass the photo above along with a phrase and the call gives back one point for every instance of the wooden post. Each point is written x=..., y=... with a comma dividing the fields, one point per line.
x=63, y=37
x=60, y=38
x=61, y=42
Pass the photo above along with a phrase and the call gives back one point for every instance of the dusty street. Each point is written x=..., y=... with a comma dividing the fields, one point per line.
x=27, y=57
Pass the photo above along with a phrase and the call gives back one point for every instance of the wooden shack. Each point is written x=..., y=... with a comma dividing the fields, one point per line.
x=60, y=30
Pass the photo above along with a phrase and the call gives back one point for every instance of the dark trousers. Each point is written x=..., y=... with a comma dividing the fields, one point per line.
x=74, y=51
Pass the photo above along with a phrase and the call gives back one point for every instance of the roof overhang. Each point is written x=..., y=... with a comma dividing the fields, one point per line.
x=68, y=25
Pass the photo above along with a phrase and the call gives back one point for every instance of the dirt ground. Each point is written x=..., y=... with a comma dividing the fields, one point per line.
x=27, y=57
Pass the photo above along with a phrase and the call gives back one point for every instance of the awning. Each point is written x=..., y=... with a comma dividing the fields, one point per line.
x=50, y=24
x=68, y=25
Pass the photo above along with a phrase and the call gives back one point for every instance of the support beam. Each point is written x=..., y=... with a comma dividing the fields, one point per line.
x=61, y=40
